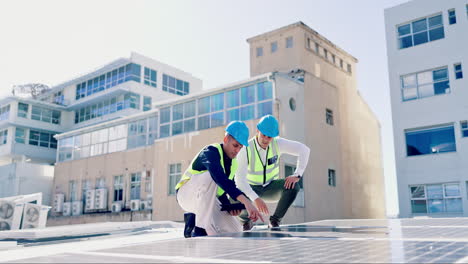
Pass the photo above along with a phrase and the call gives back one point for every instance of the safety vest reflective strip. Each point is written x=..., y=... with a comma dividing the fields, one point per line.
x=189, y=173
x=257, y=172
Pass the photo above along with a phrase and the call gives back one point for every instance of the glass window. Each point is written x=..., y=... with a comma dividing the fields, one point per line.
x=464, y=128
x=165, y=115
x=418, y=191
x=23, y=110
x=20, y=135
x=175, y=86
x=189, y=125
x=331, y=177
x=217, y=119
x=441, y=198
x=418, y=206
x=164, y=131
x=420, y=31
x=118, y=188
x=3, y=136
x=5, y=112
x=329, y=117
x=217, y=102
x=264, y=91
x=247, y=112
x=458, y=71
x=452, y=190
x=203, y=105
x=317, y=48
x=203, y=122
x=425, y=84
x=177, y=112
x=452, y=18
x=430, y=141
x=265, y=108
x=259, y=51
x=150, y=77
x=147, y=103
x=189, y=109
x=174, y=177
x=274, y=46
x=233, y=115
x=248, y=94
x=135, y=186
x=232, y=98
x=289, y=42
x=177, y=128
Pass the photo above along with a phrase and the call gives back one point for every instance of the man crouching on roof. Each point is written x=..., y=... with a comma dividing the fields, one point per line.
x=206, y=184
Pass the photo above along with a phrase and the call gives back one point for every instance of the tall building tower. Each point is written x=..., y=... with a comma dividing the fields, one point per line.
x=427, y=48
x=340, y=128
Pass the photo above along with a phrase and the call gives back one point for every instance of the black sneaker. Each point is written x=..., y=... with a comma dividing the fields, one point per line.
x=248, y=225
x=189, y=219
x=274, y=224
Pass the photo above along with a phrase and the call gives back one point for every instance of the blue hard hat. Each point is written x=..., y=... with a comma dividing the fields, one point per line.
x=239, y=131
x=268, y=126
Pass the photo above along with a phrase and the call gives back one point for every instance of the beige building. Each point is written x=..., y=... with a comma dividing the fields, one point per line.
x=297, y=75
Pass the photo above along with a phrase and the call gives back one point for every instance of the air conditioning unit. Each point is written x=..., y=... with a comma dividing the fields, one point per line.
x=34, y=216
x=135, y=205
x=116, y=207
x=59, y=199
x=77, y=208
x=67, y=209
x=144, y=205
x=89, y=200
x=101, y=199
x=10, y=215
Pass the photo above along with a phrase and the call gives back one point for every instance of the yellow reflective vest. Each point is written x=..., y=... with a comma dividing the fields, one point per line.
x=189, y=173
x=257, y=172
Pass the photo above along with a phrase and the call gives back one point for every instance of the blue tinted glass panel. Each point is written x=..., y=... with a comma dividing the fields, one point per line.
x=177, y=128
x=452, y=190
x=247, y=112
x=204, y=122
x=442, y=87
x=436, y=206
x=458, y=67
x=217, y=119
x=177, y=112
x=406, y=42
x=217, y=102
x=418, y=207
x=435, y=21
x=404, y=30
x=204, y=105
x=437, y=33
x=165, y=115
x=264, y=91
x=435, y=191
x=232, y=98
x=233, y=115
x=247, y=94
x=459, y=75
x=419, y=25
x=264, y=109
x=430, y=141
x=440, y=74
x=164, y=131
x=453, y=205
x=189, y=125
x=189, y=109
x=420, y=38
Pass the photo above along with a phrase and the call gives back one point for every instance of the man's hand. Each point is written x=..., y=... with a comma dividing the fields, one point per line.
x=235, y=212
x=254, y=214
x=261, y=206
x=291, y=181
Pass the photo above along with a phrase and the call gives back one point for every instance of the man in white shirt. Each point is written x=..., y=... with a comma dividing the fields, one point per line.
x=258, y=172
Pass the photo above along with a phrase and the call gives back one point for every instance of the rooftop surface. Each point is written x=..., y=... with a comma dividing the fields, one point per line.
x=431, y=240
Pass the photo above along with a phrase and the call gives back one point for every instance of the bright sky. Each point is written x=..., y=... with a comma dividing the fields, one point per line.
x=53, y=41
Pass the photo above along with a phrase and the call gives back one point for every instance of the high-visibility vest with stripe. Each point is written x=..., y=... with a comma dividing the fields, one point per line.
x=257, y=172
x=189, y=173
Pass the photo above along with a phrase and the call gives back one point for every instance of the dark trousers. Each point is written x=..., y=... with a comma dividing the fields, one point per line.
x=274, y=192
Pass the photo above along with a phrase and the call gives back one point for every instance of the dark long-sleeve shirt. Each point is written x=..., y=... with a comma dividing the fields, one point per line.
x=209, y=159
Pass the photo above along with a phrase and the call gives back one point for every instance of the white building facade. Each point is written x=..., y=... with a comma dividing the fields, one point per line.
x=126, y=86
x=427, y=49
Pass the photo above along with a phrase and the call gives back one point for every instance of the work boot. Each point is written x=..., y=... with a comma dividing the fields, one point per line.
x=189, y=219
x=274, y=224
x=198, y=232
x=248, y=225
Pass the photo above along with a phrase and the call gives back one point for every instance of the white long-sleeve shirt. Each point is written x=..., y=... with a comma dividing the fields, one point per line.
x=285, y=146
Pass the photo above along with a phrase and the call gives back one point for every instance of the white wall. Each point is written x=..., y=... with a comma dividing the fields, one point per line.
x=435, y=110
